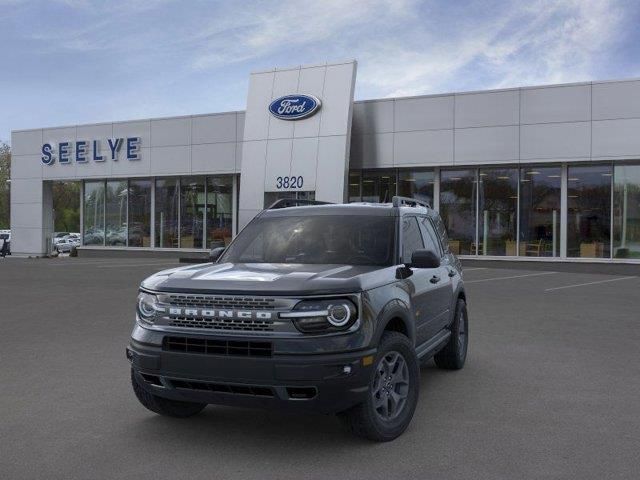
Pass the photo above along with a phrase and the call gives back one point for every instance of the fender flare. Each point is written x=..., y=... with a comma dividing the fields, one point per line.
x=395, y=309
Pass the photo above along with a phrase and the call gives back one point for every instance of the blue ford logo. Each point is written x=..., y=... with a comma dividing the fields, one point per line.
x=294, y=107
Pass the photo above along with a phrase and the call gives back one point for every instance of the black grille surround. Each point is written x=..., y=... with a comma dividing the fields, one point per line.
x=205, y=346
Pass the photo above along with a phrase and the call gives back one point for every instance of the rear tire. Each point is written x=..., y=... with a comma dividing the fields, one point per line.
x=454, y=354
x=164, y=406
x=392, y=395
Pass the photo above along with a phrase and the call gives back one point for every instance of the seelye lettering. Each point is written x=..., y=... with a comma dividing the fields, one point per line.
x=83, y=150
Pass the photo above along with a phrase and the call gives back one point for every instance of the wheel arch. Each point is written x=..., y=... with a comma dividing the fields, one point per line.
x=395, y=317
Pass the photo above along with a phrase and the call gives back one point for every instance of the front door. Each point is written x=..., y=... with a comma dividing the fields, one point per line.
x=423, y=283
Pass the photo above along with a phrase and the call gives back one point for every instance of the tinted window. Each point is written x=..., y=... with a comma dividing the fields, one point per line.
x=430, y=237
x=411, y=238
x=318, y=239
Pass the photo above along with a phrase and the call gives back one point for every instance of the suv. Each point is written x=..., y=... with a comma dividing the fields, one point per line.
x=313, y=307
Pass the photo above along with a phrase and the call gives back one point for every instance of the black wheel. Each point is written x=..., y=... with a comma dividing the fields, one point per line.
x=164, y=406
x=454, y=354
x=393, y=392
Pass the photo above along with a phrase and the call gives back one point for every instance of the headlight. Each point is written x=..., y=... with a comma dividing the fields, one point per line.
x=147, y=306
x=323, y=316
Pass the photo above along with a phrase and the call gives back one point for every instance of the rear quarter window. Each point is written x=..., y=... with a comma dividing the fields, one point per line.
x=442, y=232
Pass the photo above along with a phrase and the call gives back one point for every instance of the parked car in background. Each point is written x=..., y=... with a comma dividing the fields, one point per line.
x=5, y=242
x=66, y=244
x=58, y=236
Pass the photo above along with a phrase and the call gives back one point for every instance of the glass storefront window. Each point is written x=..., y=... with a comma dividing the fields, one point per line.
x=93, y=213
x=626, y=211
x=498, y=211
x=378, y=186
x=540, y=193
x=589, y=211
x=116, y=213
x=354, y=186
x=192, y=208
x=166, y=213
x=140, y=213
x=458, y=209
x=416, y=184
x=219, y=211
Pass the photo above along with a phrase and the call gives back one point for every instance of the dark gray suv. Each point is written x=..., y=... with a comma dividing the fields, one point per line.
x=313, y=307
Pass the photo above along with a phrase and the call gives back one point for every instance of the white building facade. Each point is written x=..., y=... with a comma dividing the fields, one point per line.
x=550, y=172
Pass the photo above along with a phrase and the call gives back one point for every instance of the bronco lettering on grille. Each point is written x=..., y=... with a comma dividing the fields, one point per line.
x=210, y=313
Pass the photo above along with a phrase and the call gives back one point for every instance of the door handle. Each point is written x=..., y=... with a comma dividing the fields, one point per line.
x=435, y=279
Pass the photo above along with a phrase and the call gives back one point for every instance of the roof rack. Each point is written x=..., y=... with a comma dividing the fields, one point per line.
x=294, y=202
x=397, y=201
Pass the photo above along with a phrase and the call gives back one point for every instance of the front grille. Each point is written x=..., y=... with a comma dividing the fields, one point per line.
x=254, y=390
x=221, y=302
x=243, y=325
x=206, y=346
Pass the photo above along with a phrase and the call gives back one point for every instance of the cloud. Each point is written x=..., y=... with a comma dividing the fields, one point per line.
x=283, y=26
x=546, y=42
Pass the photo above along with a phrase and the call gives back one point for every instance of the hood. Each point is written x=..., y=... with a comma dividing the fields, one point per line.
x=270, y=279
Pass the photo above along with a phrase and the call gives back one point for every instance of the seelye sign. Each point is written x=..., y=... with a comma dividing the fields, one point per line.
x=82, y=151
x=294, y=107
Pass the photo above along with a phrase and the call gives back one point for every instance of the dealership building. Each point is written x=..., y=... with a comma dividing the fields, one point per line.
x=538, y=173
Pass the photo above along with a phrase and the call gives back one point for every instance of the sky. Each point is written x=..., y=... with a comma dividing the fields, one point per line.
x=78, y=61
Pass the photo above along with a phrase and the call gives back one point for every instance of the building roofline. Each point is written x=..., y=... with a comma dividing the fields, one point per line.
x=370, y=100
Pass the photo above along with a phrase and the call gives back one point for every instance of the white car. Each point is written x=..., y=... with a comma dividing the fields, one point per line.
x=65, y=245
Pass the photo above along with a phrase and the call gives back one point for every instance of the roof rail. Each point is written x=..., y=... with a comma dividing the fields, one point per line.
x=408, y=202
x=294, y=202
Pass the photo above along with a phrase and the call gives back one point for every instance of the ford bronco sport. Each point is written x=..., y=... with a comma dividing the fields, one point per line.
x=313, y=307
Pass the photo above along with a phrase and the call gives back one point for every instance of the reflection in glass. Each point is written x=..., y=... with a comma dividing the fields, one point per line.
x=498, y=211
x=378, y=186
x=458, y=209
x=116, y=213
x=93, y=212
x=589, y=211
x=166, y=212
x=626, y=211
x=219, y=215
x=540, y=211
x=192, y=208
x=416, y=184
x=140, y=213
x=354, y=186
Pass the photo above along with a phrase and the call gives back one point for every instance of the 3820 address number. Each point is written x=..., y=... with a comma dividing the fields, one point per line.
x=289, y=182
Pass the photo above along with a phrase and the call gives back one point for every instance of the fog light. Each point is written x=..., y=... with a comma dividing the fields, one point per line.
x=129, y=355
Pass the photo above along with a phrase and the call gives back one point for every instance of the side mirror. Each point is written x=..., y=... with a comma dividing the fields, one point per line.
x=215, y=253
x=425, y=259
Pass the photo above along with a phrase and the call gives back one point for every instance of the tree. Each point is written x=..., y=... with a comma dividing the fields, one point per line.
x=66, y=206
x=5, y=175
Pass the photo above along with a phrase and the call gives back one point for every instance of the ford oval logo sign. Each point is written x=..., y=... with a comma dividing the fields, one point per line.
x=294, y=107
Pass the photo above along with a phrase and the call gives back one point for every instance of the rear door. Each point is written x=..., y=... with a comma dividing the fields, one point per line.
x=421, y=284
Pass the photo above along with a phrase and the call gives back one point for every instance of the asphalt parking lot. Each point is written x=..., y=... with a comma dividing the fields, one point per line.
x=551, y=389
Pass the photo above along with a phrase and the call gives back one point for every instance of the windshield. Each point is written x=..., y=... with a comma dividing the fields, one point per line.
x=318, y=239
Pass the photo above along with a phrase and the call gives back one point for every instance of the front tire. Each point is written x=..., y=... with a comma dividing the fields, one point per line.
x=454, y=354
x=164, y=406
x=392, y=395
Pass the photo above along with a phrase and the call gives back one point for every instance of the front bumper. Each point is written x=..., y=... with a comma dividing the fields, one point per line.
x=323, y=383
